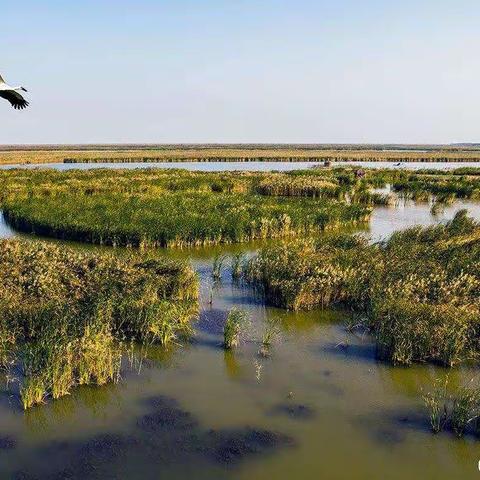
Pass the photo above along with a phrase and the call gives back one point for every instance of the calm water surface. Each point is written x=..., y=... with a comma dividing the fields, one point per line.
x=246, y=166
x=320, y=407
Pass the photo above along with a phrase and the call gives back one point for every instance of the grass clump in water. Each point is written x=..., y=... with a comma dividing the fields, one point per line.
x=418, y=291
x=457, y=410
x=234, y=325
x=217, y=267
x=237, y=264
x=66, y=316
x=271, y=333
x=435, y=403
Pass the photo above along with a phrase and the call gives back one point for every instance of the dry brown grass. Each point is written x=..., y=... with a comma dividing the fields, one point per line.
x=23, y=155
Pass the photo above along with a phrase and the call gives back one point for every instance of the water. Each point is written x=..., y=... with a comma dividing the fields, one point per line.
x=245, y=166
x=314, y=409
x=5, y=230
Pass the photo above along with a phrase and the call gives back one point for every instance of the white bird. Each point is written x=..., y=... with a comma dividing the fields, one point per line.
x=11, y=94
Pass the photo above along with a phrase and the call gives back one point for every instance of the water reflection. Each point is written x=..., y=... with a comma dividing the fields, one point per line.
x=232, y=366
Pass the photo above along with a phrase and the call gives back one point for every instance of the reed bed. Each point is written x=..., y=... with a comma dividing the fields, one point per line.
x=176, y=208
x=336, y=182
x=418, y=292
x=67, y=317
x=439, y=186
x=238, y=153
x=298, y=186
x=168, y=209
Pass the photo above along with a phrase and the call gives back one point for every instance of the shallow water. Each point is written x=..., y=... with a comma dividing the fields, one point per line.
x=320, y=407
x=245, y=166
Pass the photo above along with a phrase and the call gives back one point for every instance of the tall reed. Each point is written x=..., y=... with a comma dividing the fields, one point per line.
x=65, y=316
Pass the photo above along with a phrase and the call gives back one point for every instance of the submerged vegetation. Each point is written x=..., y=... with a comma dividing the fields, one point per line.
x=418, y=292
x=66, y=317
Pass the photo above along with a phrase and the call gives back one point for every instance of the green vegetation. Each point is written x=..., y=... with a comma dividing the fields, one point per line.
x=167, y=208
x=237, y=263
x=418, y=291
x=66, y=317
x=217, y=267
x=235, y=323
x=456, y=410
x=271, y=332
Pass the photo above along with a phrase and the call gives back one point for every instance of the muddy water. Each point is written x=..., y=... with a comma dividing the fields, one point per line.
x=320, y=406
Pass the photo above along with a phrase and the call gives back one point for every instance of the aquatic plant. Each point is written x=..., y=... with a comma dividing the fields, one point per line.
x=236, y=321
x=453, y=408
x=436, y=404
x=218, y=262
x=176, y=219
x=270, y=334
x=25, y=154
x=287, y=185
x=66, y=315
x=465, y=409
x=418, y=291
x=237, y=264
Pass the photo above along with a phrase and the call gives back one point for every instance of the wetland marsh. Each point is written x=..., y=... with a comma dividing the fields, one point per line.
x=320, y=399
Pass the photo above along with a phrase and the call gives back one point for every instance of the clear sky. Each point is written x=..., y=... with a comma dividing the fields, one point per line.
x=242, y=71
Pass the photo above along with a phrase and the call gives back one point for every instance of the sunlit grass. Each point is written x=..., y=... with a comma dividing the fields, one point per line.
x=65, y=316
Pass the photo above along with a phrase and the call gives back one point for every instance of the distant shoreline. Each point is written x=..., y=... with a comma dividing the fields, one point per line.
x=240, y=146
x=31, y=154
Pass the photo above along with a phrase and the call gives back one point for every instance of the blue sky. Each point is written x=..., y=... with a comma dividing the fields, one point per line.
x=242, y=71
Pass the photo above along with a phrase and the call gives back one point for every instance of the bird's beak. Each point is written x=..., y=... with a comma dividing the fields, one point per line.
x=24, y=89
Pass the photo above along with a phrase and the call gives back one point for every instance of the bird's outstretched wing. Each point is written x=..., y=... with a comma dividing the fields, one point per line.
x=17, y=101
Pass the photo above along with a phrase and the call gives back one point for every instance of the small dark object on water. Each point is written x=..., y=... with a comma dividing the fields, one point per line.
x=327, y=163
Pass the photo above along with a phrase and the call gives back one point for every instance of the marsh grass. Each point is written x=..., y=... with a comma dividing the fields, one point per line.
x=235, y=324
x=67, y=317
x=271, y=334
x=217, y=267
x=150, y=208
x=146, y=208
x=26, y=154
x=457, y=410
x=418, y=292
x=436, y=405
x=237, y=265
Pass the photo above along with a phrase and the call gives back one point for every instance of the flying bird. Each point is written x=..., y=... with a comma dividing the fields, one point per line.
x=12, y=95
